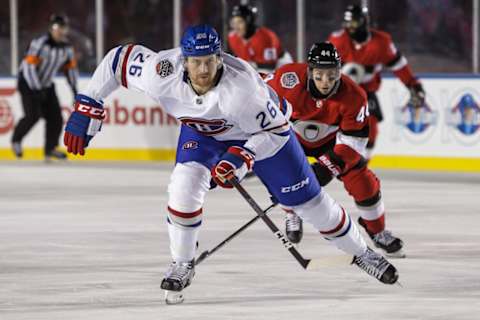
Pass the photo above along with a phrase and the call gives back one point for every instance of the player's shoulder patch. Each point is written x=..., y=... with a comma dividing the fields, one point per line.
x=337, y=33
x=164, y=68
x=289, y=80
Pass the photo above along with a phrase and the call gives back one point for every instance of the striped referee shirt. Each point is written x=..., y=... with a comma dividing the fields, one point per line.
x=44, y=59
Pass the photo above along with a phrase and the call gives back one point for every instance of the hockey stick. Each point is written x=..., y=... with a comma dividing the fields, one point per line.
x=307, y=264
x=205, y=254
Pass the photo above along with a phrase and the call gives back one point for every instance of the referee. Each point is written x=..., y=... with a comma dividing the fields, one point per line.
x=46, y=56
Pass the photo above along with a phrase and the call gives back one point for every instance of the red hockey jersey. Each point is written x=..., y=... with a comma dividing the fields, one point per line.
x=263, y=47
x=317, y=121
x=378, y=51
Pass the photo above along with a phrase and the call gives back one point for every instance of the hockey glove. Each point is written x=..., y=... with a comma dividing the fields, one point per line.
x=323, y=174
x=235, y=162
x=338, y=161
x=84, y=122
x=417, y=96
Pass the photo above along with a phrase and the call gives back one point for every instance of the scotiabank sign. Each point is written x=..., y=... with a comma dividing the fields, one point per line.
x=119, y=114
x=133, y=120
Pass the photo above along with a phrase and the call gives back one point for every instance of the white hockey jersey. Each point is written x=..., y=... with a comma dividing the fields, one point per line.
x=240, y=107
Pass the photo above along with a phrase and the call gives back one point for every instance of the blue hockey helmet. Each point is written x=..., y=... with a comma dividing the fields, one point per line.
x=201, y=40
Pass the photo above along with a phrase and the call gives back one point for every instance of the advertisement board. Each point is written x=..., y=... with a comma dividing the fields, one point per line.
x=443, y=134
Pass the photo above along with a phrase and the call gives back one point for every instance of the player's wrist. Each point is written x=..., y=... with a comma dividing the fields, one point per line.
x=89, y=107
x=239, y=156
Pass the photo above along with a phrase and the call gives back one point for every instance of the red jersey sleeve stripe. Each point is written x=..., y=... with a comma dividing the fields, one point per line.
x=124, y=65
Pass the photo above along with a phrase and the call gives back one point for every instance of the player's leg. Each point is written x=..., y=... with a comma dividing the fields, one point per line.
x=53, y=124
x=31, y=109
x=297, y=189
x=190, y=181
x=293, y=223
x=364, y=186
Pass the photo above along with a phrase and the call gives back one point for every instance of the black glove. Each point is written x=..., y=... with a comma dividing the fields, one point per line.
x=417, y=96
x=324, y=176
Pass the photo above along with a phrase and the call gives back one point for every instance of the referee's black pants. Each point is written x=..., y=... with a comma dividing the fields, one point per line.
x=36, y=104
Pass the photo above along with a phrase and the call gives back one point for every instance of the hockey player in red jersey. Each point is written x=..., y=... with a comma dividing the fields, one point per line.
x=364, y=52
x=331, y=119
x=259, y=46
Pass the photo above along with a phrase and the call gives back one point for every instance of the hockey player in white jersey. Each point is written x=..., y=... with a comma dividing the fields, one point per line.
x=231, y=122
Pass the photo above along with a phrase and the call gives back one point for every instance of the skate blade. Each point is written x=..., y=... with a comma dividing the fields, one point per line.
x=330, y=262
x=174, y=297
x=400, y=254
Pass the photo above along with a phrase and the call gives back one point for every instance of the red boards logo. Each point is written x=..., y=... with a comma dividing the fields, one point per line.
x=6, y=114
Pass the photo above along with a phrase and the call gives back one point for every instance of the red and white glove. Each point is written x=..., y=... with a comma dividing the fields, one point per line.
x=236, y=162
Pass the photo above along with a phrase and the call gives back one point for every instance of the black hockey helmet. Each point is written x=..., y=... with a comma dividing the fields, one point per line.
x=356, y=21
x=323, y=55
x=247, y=12
x=58, y=19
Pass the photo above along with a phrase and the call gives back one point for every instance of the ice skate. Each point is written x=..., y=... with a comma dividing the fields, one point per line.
x=55, y=155
x=293, y=227
x=377, y=266
x=391, y=245
x=177, y=278
x=17, y=150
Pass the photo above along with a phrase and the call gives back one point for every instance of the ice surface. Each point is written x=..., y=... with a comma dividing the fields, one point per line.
x=89, y=241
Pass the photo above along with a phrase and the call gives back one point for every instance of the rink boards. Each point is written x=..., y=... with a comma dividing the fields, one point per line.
x=443, y=135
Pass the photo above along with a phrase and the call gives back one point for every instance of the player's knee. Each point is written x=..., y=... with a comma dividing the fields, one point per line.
x=325, y=214
x=188, y=185
x=362, y=184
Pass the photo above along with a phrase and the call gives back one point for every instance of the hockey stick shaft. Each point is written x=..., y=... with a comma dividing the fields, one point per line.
x=207, y=253
x=284, y=240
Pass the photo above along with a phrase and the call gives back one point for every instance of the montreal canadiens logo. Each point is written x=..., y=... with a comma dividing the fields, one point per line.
x=190, y=145
x=207, y=127
x=6, y=117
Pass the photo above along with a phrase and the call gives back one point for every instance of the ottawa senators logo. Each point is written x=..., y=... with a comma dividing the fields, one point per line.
x=207, y=127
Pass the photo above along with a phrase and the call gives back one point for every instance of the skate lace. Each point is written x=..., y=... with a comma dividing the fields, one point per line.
x=180, y=271
x=373, y=263
x=385, y=237
x=292, y=222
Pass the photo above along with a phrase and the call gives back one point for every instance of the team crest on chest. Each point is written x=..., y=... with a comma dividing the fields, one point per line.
x=164, y=68
x=207, y=127
x=289, y=80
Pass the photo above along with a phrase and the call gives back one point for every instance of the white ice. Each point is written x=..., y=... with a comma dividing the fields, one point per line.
x=89, y=241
